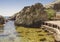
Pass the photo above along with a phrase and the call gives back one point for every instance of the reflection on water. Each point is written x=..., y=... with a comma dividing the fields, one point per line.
x=1, y=29
x=8, y=32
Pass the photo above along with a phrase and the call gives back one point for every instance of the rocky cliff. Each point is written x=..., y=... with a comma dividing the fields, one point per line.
x=53, y=5
x=31, y=16
x=56, y=6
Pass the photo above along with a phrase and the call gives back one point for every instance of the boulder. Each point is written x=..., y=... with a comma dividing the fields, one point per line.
x=31, y=16
x=2, y=20
x=12, y=17
x=56, y=6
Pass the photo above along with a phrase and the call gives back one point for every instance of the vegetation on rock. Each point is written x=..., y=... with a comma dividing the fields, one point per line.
x=50, y=13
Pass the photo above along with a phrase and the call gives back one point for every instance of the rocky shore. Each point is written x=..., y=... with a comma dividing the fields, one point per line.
x=31, y=16
x=34, y=15
x=2, y=20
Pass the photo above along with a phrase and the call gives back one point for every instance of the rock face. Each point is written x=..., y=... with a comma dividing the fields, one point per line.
x=13, y=17
x=2, y=20
x=57, y=6
x=31, y=16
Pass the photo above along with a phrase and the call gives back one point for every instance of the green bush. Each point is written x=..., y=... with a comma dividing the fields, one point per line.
x=50, y=13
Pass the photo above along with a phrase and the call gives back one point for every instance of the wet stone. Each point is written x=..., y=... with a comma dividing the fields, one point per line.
x=38, y=31
x=40, y=35
x=20, y=36
x=19, y=32
x=49, y=33
x=45, y=30
x=29, y=38
x=27, y=32
x=44, y=39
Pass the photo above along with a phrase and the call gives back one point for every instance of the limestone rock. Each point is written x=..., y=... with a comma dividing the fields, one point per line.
x=57, y=6
x=12, y=17
x=31, y=16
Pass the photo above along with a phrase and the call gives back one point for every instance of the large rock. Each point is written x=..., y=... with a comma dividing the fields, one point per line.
x=56, y=6
x=31, y=16
x=2, y=20
x=13, y=17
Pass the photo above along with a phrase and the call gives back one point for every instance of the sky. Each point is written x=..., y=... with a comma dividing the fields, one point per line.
x=10, y=7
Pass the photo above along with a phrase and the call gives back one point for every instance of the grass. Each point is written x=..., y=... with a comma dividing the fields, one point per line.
x=34, y=35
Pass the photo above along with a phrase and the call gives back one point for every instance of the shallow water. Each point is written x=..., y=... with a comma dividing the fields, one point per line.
x=9, y=33
x=34, y=35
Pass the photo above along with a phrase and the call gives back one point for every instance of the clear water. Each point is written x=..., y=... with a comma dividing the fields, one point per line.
x=9, y=33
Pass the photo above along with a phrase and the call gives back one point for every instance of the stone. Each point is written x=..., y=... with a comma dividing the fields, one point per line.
x=31, y=16
x=2, y=20
x=12, y=17
x=56, y=6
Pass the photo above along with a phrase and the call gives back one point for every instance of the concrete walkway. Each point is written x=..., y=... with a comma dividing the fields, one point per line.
x=53, y=26
x=53, y=22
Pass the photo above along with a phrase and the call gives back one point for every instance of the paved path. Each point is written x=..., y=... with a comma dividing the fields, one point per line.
x=53, y=22
x=53, y=26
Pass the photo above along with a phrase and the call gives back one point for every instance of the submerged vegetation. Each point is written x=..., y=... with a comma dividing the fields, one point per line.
x=34, y=35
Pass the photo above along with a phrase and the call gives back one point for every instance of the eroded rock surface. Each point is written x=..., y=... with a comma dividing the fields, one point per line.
x=31, y=16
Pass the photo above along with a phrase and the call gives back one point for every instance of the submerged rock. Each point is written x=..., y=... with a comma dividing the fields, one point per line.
x=31, y=16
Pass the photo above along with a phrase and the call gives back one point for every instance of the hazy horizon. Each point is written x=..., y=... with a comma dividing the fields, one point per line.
x=10, y=7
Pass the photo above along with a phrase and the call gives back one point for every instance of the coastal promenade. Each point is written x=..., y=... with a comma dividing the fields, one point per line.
x=54, y=24
x=53, y=27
